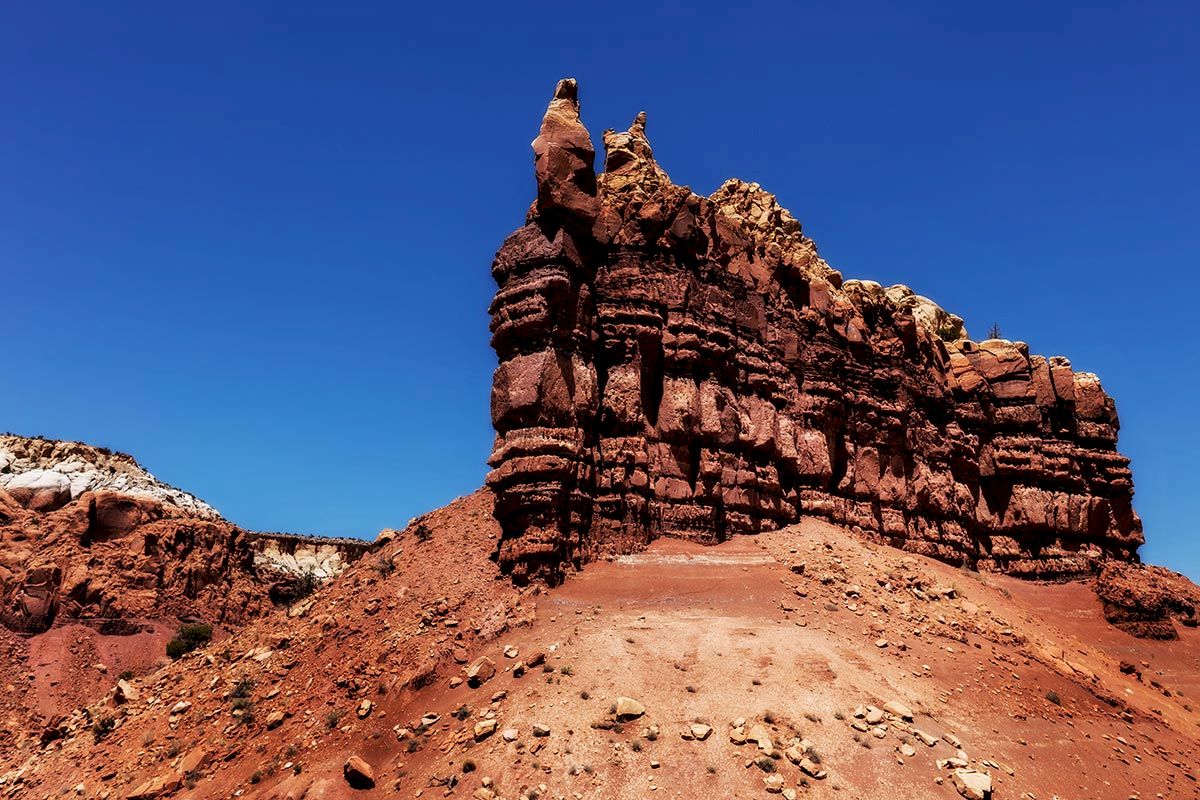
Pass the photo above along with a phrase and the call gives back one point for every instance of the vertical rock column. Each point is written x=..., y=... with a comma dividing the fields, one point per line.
x=544, y=393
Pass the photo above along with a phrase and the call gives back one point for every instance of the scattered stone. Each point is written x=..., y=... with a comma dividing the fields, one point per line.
x=927, y=738
x=158, y=786
x=358, y=773
x=485, y=728
x=511, y=652
x=196, y=758
x=510, y=734
x=274, y=720
x=773, y=783
x=540, y=730
x=762, y=737
x=628, y=708
x=481, y=671
x=125, y=692
x=971, y=784
x=899, y=710
x=700, y=732
x=364, y=709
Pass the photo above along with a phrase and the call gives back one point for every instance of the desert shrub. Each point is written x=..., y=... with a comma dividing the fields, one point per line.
x=304, y=585
x=1053, y=697
x=422, y=532
x=103, y=727
x=384, y=565
x=189, y=637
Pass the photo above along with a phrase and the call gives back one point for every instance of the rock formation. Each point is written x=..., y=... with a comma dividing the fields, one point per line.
x=45, y=474
x=676, y=365
x=86, y=534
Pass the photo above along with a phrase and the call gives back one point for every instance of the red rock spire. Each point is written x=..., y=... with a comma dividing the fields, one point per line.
x=564, y=159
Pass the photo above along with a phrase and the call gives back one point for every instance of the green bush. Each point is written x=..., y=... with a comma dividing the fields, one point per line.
x=189, y=637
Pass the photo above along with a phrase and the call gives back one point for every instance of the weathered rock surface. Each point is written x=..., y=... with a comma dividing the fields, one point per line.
x=1143, y=599
x=676, y=365
x=45, y=474
x=87, y=534
x=114, y=559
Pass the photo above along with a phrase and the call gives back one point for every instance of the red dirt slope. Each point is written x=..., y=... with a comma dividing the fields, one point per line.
x=790, y=633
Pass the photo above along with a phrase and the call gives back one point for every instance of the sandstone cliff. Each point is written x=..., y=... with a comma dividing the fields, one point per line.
x=676, y=365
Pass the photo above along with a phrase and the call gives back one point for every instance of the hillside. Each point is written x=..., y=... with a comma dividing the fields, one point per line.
x=802, y=633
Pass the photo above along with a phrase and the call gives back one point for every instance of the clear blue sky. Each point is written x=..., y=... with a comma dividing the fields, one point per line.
x=249, y=243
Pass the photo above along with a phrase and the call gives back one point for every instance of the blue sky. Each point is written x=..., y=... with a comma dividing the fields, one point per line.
x=249, y=243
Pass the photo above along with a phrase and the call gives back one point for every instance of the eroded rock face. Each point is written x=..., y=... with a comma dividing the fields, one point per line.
x=1143, y=599
x=114, y=559
x=87, y=534
x=686, y=366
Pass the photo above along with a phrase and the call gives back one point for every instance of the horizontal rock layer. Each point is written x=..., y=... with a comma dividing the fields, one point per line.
x=685, y=366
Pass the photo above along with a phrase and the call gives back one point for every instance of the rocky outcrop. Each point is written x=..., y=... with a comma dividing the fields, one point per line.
x=1144, y=600
x=296, y=554
x=677, y=365
x=88, y=535
x=45, y=474
x=113, y=559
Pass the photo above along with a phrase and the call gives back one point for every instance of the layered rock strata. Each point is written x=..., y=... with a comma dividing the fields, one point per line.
x=677, y=365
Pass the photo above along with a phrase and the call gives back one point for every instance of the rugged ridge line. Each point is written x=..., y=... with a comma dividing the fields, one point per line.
x=675, y=365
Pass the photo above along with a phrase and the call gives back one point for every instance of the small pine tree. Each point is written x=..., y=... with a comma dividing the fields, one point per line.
x=994, y=331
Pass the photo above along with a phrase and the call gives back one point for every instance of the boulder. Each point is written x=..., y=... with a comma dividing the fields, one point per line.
x=358, y=773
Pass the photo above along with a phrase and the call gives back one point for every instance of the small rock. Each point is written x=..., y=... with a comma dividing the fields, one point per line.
x=898, y=710
x=628, y=708
x=484, y=728
x=927, y=738
x=971, y=784
x=700, y=732
x=358, y=773
x=540, y=730
x=482, y=671
x=125, y=692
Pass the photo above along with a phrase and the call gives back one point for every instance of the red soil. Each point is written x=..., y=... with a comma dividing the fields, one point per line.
x=693, y=633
